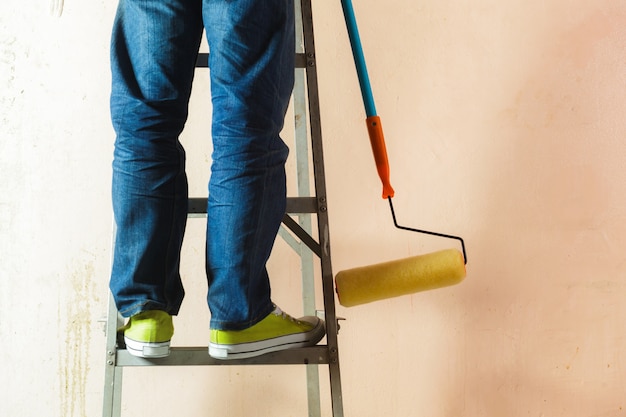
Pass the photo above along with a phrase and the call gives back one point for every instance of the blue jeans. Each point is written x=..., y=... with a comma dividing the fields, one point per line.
x=153, y=53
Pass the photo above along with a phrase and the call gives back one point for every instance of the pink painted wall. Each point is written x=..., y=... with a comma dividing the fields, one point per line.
x=506, y=124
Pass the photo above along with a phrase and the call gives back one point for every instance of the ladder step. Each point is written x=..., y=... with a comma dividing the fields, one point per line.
x=301, y=60
x=195, y=356
x=197, y=205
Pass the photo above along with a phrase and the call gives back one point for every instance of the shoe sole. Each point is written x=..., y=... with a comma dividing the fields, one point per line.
x=253, y=349
x=148, y=350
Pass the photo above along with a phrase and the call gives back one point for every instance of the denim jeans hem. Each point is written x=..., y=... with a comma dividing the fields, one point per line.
x=147, y=306
x=226, y=325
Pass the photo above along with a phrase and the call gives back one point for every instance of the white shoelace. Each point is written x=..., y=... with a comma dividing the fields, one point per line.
x=280, y=313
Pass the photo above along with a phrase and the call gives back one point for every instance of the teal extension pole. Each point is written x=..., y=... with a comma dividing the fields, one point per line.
x=374, y=126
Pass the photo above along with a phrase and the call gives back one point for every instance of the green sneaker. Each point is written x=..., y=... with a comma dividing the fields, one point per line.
x=275, y=332
x=148, y=334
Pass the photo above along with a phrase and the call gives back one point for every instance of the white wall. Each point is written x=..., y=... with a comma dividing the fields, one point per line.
x=505, y=125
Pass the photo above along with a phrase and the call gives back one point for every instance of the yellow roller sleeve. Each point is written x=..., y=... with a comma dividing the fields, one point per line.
x=400, y=277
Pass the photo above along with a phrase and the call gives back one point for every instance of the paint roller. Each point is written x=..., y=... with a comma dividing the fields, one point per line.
x=405, y=276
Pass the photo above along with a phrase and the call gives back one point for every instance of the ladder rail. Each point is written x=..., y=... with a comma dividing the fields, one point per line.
x=332, y=324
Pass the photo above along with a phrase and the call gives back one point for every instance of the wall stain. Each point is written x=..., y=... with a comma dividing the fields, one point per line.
x=75, y=324
x=56, y=8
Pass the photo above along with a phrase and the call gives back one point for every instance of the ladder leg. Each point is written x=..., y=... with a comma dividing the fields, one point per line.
x=304, y=189
x=320, y=188
x=112, y=405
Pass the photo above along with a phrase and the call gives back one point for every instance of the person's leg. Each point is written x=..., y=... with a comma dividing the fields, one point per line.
x=153, y=52
x=251, y=64
x=252, y=52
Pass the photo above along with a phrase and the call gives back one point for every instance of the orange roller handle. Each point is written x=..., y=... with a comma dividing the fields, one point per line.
x=377, y=139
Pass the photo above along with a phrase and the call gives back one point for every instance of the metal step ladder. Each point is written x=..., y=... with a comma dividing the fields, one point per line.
x=306, y=207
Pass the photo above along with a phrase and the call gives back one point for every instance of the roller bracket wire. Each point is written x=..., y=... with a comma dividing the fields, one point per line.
x=410, y=229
